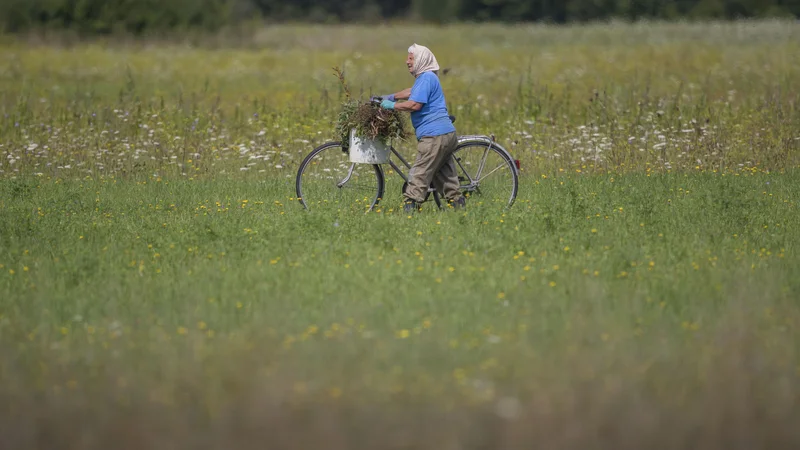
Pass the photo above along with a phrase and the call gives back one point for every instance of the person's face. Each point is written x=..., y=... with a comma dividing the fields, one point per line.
x=410, y=63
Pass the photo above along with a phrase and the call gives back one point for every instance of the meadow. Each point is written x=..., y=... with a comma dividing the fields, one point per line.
x=161, y=287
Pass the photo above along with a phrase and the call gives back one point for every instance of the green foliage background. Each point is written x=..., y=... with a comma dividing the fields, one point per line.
x=141, y=16
x=161, y=288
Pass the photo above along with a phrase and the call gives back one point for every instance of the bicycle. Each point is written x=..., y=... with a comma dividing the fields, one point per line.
x=326, y=177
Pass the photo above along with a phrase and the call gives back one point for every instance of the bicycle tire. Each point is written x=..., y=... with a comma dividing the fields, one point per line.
x=302, y=194
x=468, y=184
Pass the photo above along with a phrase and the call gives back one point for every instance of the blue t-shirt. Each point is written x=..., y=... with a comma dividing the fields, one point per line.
x=432, y=119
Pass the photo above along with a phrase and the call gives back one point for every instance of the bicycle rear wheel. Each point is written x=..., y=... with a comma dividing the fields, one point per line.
x=487, y=173
x=327, y=180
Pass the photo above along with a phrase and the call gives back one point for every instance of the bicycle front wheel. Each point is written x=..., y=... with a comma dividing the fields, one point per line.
x=487, y=173
x=327, y=180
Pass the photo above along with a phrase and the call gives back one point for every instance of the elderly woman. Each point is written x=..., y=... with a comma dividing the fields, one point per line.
x=436, y=135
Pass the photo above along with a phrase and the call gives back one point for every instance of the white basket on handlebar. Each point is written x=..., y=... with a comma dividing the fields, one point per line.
x=368, y=151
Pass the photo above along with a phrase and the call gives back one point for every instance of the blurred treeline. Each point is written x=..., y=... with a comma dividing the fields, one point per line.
x=141, y=16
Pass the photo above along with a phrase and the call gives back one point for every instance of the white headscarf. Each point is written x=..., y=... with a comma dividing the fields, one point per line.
x=424, y=61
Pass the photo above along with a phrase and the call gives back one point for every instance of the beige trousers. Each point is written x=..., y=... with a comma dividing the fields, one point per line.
x=434, y=164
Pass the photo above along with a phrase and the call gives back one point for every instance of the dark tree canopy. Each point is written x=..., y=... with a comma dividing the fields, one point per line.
x=139, y=16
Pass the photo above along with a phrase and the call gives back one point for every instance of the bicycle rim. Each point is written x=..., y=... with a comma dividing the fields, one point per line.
x=487, y=174
x=327, y=180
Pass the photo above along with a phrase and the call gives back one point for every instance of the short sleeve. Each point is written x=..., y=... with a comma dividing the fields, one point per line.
x=421, y=91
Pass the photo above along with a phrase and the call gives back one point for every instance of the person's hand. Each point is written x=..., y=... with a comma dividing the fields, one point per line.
x=387, y=104
x=389, y=97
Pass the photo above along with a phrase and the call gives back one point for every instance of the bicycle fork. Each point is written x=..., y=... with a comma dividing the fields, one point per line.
x=347, y=178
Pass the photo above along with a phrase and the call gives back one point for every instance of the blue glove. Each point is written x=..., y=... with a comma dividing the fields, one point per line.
x=389, y=97
x=387, y=104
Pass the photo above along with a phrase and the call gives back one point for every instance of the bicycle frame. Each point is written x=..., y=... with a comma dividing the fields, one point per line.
x=481, y=139
x=396, y=167
x=468, y=182
x=391, y=163
x=473, y=183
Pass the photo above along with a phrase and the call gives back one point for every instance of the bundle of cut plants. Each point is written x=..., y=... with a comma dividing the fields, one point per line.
x=367, y=120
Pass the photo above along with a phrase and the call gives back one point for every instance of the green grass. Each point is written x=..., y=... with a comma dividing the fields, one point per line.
x=600, y=98
x=192, y=294
x=642, y=292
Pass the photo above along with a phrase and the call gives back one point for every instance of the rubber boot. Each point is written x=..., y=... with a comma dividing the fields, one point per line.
x=410, y=206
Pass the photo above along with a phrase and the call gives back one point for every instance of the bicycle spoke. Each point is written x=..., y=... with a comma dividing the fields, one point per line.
x=482, y=164
x=493, y=171
x=487, y=174
x=328, y=179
